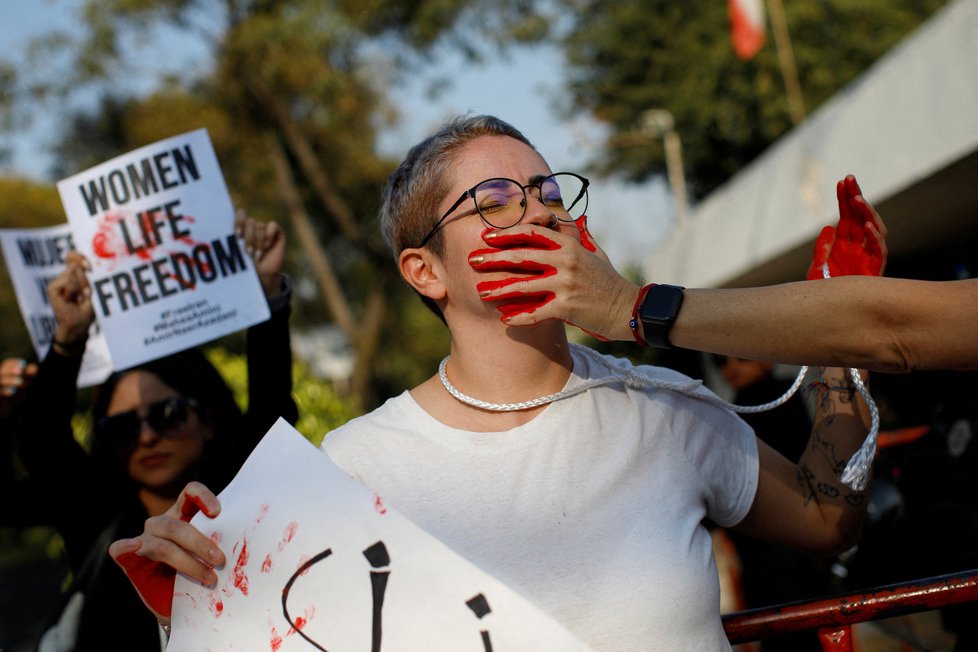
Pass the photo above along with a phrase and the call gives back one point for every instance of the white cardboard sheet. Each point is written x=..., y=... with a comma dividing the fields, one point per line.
x=316, y=561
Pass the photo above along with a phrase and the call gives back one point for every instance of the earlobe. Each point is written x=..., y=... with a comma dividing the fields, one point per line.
x=420, y=269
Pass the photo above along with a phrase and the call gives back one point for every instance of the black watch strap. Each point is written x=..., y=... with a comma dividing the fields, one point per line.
x=658, y=312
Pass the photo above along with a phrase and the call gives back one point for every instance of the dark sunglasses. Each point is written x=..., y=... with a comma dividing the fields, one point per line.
x=165, y=417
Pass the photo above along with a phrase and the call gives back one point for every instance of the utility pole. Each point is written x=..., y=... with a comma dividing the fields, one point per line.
x=659, y=123
x=786, y=57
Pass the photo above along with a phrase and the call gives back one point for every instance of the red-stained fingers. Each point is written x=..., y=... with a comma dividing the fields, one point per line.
x=512, y=259
x=587, y=241
x=197, y=498
x=533, y=276
x=857, y=246
x=152, y=580
x=874, y=233
x=850, y=226
x=169, y=544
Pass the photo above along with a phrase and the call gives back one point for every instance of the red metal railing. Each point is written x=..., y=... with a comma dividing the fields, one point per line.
x=832, y=618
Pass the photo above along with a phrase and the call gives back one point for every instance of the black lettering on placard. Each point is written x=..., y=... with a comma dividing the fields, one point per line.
x=379, y=559
x=480, y=607
x=163, y=170
x=44, y=252
x=163, y=277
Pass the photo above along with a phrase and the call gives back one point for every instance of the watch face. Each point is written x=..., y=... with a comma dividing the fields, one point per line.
x=661, y=304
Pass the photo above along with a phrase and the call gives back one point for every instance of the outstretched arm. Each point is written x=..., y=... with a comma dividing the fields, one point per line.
x=882, y=324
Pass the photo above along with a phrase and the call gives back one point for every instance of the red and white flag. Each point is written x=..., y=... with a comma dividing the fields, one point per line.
x=746, y=26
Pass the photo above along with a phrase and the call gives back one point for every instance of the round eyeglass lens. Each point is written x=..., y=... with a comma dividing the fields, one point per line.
x=566, y=195
x=500, y=202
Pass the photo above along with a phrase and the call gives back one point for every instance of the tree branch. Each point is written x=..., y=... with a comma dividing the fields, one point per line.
x=322, y=269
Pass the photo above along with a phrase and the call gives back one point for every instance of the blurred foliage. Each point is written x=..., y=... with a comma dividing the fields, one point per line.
x=81, y=421
x=321, y=408
x=630, y=56
x=19, y=546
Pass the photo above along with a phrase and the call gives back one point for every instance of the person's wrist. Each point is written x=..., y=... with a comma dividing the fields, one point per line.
x=282, y=294
x=635, y=323
x=272, y=285
x=656, y=309
x=67, y=343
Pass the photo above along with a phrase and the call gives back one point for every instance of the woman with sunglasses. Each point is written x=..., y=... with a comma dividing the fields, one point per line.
x=156, y=427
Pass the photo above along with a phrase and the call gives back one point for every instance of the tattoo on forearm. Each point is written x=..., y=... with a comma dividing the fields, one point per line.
x=805, y=481
x=827, y=450
x=824, y=387
x=812, y=487
x=828, y=490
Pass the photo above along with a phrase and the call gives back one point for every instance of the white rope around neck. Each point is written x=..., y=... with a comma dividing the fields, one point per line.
x=620, y=374
x=855, y=475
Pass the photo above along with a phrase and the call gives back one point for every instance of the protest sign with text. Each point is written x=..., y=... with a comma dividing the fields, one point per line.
x=316, y=561
x=34, y=257
x=168, y=272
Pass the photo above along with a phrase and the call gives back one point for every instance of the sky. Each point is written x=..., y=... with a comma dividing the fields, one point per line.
x=628, y=220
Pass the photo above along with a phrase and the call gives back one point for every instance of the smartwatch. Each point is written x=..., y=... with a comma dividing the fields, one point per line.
x=658, y=311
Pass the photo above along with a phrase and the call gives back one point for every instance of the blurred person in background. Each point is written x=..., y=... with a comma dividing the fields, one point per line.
x=17, y=506
x=155, y=427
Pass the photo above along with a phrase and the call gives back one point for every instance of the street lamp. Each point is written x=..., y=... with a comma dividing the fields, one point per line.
x=659, y=123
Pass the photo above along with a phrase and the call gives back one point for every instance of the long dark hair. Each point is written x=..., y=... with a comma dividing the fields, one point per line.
x=192, y=375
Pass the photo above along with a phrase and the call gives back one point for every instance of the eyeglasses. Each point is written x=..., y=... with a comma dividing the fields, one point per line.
x=166, y=418
x=502, y=202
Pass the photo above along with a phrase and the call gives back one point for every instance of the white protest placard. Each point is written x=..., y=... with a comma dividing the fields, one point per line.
x=34, y=257
x=168, y=273
x=316, y=561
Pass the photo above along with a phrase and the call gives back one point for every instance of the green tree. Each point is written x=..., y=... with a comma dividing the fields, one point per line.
x=630, y=56
x=292, y=97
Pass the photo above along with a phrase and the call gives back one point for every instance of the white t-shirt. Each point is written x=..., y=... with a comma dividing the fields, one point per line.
x=592, y=510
